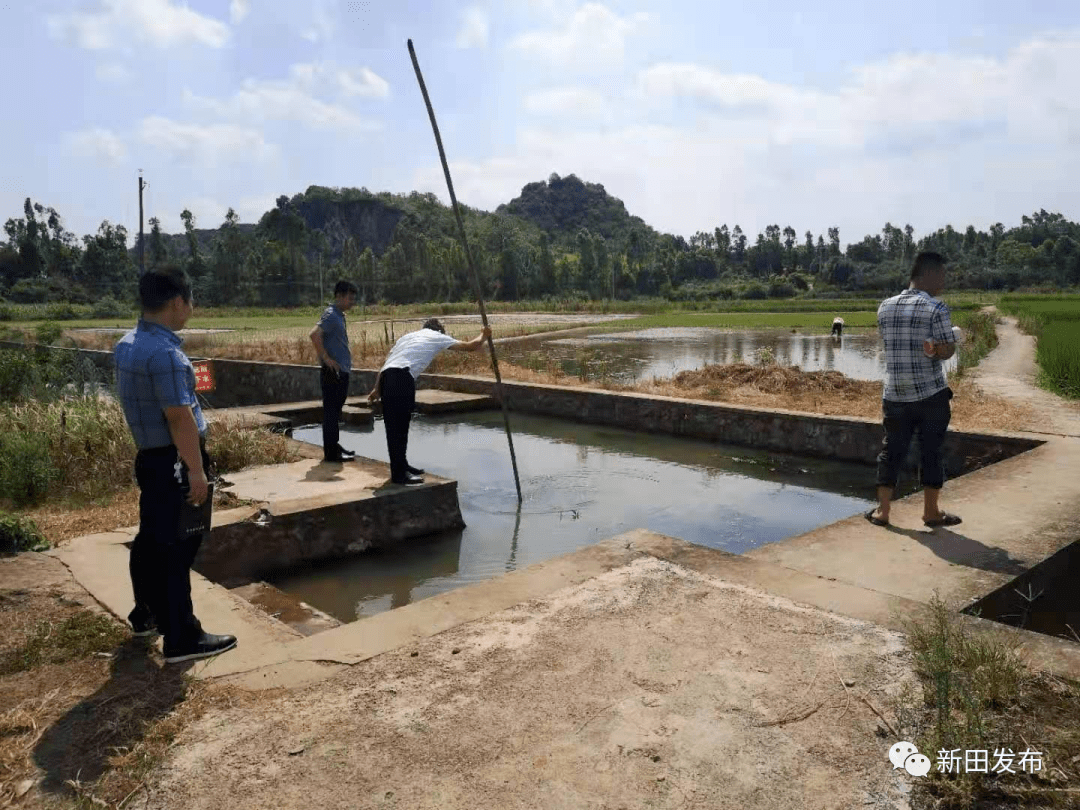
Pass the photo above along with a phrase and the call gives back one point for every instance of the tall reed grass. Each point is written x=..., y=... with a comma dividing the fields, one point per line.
x=64, y=437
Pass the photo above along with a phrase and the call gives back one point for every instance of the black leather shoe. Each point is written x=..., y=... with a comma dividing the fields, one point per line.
x=205, y=646
x=347, y=455
x=408, y=481
x=413, y=470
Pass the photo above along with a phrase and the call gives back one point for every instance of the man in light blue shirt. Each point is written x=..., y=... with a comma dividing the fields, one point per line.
x=331, y=340
x=155, y=383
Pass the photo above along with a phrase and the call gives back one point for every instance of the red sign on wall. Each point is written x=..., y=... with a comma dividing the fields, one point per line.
x=204, y=375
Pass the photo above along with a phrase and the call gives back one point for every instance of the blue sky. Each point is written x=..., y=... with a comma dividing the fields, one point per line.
x=695, y=114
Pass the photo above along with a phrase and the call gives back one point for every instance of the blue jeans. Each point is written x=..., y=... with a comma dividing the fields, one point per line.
x=929, y=418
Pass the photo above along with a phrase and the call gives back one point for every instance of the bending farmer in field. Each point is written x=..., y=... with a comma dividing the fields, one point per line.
x=918, y=336
x=331, y=340
x=396, y=386
x=156, y=386
x=837, y=326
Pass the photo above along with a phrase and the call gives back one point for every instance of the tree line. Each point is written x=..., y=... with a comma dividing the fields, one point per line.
x=560, y=238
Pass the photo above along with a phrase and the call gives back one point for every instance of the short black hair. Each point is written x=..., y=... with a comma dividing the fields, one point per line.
x=433, y=323
x=344, y=287
x=927, y=260
x=161, y=285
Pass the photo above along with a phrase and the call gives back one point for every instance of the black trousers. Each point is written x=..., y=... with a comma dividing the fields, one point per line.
x=929, y=418
x=160, y=563
x=838, y=329
x=335, y=388
x=397, y=390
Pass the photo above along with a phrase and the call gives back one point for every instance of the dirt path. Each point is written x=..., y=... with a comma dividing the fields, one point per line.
x=649, y=686
x=1009, y=371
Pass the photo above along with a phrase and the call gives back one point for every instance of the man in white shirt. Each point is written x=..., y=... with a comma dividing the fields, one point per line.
x=838, y=326
x=395, y=385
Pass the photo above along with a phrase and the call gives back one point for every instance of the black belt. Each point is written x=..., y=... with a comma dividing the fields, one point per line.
x=168, y=449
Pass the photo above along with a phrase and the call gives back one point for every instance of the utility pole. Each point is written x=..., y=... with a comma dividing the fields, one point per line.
x=142, y=239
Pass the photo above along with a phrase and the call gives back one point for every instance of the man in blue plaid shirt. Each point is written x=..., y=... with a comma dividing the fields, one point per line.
x=155, y=383
x=918, y=336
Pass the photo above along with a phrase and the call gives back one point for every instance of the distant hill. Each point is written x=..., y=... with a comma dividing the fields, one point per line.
x=559, y=206
x=562, y=206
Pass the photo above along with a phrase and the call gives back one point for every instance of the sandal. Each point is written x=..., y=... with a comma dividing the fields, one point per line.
x=875, y=520
x=945, y=520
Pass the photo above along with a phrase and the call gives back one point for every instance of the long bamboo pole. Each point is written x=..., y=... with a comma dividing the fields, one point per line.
x=472, y=267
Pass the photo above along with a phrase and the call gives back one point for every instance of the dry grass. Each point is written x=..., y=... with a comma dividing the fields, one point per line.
x=824, y=392
x=64, y=520
x=92, y=710
x=978, y=694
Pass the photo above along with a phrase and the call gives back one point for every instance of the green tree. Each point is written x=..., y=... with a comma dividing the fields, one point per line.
x=546, y=285
x=226, y=276
x=107, y=268
x=157, y=252
x=738, y=242
x=834, y=242
x=196, y=266
x=789, y=248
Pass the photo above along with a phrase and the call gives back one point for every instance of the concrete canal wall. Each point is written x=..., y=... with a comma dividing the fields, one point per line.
x=252, y=383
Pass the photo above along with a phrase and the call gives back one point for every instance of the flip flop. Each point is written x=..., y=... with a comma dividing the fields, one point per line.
x=945, y=520
x=875, y=520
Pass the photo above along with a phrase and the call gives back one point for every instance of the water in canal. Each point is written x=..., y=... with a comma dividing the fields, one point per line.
x=648, y=353
x=580, y=484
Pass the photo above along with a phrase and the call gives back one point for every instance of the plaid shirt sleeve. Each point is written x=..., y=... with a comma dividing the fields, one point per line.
x=173, y=379
x=941, y=325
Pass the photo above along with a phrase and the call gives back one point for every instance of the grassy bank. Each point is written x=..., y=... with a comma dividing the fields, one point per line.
x=980, y=338
x=1054, y=321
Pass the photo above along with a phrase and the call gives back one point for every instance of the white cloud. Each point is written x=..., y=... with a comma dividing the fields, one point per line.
x=474, y=29
x=98, y=144
x=205, y=145
x=112, y=73
x=160, y=23
x=913, y=138
x=322, y=27
x=1029, y=89
x=363, y=82
x=238, y=10
x=293, y=99
x=572, y=102
x=594, y=36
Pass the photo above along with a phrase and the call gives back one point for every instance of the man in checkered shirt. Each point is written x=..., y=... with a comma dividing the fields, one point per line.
x=918, y=336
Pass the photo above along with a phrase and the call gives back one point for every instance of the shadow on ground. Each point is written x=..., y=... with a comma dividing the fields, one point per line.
x=112, y=721
x=962, y=550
